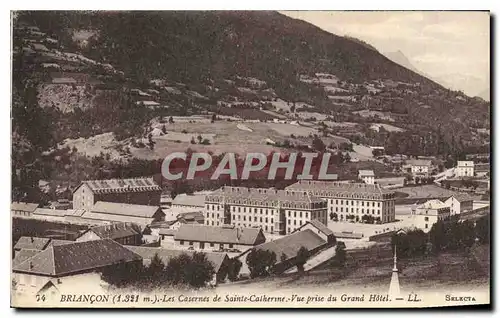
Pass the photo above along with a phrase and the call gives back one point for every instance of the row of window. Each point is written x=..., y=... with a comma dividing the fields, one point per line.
x=254, y=218
x=373, y=203
x=357, y=210
x=202, y=244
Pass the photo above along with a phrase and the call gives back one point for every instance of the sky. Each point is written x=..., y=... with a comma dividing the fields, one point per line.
x=449, y=46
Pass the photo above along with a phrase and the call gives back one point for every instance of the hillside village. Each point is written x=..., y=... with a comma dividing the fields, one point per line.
x=89, y=183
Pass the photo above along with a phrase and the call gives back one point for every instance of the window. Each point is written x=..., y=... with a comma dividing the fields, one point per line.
x=272, y=229
x=239, y=210
x=239, y=217
x=181, y=242
x=295, y=214
x=244, y=218
x=230, y=245
x=266, y=228
x=213, y=223
x=294, y=222
x=426, y=218
x=272, y=222
x=289, y=221
x=190, y=243
x=255, y=219
x=261, y=218
x=266, y=220
x=300, y=214
x=426, y=226
x=234, y=217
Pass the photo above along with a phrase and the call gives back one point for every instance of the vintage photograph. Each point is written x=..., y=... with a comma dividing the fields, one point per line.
x=250, y=159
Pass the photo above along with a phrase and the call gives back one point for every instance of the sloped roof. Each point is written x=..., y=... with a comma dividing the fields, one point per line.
x=147, y=253
x=55, y=242
x=432, y=204
x=290, y=244
x=168, y=232
x=368, y=173
x=461, y=197
x=67, y=259
x=191, y=217
x=419, y=162
x=23, y=255
x=32, y=243
x=104, y=217
x=136, y=210
x=122, y=185
x=115, y=230
x=49, y=212
x=23, y=206
x=320, y=226
x=340, y=189
x=215, y=234
x=189, y=200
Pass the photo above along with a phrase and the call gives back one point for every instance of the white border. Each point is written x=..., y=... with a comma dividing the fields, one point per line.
x=492, y=5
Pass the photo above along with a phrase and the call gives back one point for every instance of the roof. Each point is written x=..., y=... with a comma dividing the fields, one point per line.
x=122, y=185
x=482, y=167
x=290, y=244
x=191, y=217
x=463, y=163
x=189, y=200
x=78, y=257
x=136, y=210
x=262, y=197
x=115, y=230
x=23, y=206
x=168, y=232
x=147, y=253
x=346, y=235
x=341, y=189
x=55, y=242
x=367, y=173
x=205, y=233
x=461, y=197
x=432, y=204
x=104, y=217
x=419, y=162
x=320, y=226
x=23, y=255
x=49, y=212
x=63, y=80
x=32, y=243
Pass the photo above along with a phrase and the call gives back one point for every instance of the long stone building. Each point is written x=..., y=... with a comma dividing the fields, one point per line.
x=142, y=191
x=350, y=201
x=275, y=211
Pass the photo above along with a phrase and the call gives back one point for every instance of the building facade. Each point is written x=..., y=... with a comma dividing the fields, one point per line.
x=350, y=201
x=459, y=204
x=429, y=213
x=465, y=169
x=275, y=211
x=142, y=191
x=420, y=168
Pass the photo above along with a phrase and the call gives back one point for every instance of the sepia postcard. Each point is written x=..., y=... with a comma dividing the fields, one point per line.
x=250, y=159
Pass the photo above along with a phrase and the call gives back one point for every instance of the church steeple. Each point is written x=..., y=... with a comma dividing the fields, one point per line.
x=394, y=286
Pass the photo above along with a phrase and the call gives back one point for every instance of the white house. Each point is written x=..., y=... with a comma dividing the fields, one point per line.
x=368, y=176
x=428, y=213
x=459, y=203
x=420, y=168
x=465, y=169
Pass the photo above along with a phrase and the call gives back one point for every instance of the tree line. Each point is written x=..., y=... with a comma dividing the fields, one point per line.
x=447, y=235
